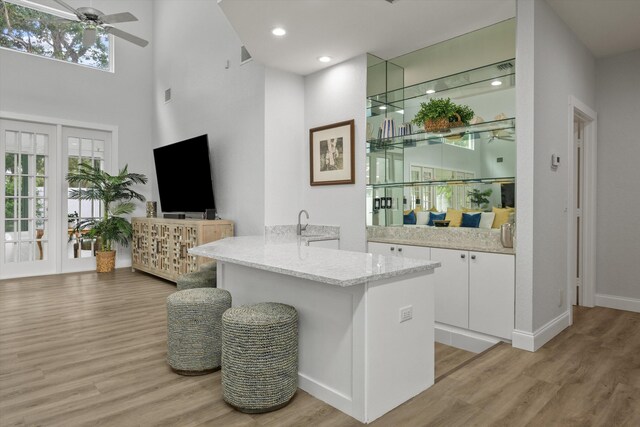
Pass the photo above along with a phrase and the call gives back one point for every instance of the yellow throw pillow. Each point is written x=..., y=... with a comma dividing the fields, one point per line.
x=454, y=216
x=467, y=210
x=433, y=209
x=502, y=216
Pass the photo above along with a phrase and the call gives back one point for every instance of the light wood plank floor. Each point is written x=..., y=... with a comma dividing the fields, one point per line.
x=89, y=349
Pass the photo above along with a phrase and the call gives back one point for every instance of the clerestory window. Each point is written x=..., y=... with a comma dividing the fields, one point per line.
x=37, y=32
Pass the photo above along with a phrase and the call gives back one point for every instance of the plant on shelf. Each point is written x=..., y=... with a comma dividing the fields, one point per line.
x=434, y=115
x=117, y=198
x=479, y=198
x=464, y=112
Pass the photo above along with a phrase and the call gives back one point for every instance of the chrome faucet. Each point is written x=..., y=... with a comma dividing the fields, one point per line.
x=300, y=228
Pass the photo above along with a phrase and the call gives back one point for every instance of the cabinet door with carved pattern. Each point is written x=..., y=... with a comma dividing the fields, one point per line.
x=183, y=237
x=159, y=249
x=140, y=243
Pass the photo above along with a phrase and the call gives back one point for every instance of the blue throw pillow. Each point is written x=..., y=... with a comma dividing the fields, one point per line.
x=410, y=218
x=471, y=220
x=434, y=216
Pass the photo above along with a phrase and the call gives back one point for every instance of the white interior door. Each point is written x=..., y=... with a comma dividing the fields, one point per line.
x=29, y=203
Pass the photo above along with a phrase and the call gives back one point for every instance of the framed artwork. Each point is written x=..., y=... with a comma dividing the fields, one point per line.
x=331, y=149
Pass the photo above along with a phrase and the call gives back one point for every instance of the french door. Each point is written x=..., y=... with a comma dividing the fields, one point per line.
x=92, y=147
x=29, y=205
x=36, y=215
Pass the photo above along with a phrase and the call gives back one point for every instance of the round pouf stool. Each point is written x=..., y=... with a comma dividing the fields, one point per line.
x=259, y=356
x=197, y=279
x=194, y=329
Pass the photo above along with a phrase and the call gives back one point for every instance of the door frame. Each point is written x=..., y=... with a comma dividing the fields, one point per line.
x=578, y=109
x=61, y=186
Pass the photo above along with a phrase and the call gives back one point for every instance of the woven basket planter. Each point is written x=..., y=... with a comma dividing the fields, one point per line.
x=259, y=356
x=105, y=261
x=437, y=125
x=456, y=123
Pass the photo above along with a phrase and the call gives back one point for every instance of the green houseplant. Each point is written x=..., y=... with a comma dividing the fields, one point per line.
x=435, y=114
x=117, y=197
x=479, y=198
x=465, y=112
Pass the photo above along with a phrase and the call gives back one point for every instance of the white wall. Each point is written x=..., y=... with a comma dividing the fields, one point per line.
x=285, y=142
x=618, y=106
x=39, y=86
x=193, y=42
x=333, y=95
x=562, y=67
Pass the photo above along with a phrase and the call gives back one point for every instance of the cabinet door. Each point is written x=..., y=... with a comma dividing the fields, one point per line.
x=140, y=243
x=418, y=252
x=452, y=287
x=381, y=248
x=491, y=293
x=160, y=250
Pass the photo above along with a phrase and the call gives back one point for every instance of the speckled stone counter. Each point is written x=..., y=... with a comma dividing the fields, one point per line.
x=349, y=306
x=287, y=254
x=446, y=238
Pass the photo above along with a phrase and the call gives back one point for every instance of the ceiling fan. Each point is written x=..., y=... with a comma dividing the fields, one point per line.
x=94, y=19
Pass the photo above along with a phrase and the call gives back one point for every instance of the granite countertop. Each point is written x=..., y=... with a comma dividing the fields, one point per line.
x=287, y=254
x=445, y=238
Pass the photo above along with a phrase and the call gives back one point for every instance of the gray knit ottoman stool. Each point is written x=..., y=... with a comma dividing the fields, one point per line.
x=204, y=278
x=259, y=356
x=194, y=329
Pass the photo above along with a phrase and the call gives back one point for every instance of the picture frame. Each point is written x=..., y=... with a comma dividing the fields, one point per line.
x=332, y=154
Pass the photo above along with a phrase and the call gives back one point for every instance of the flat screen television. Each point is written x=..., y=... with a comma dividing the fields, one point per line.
x=184, y=176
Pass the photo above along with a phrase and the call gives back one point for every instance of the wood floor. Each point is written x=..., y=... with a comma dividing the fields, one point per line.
x=88, y=349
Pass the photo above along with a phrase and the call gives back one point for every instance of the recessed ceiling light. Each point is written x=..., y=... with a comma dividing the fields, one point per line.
x=383, y=107
x=430, y=91
x=496, y=83
x=279, y=31
x=400, y=111
x=324, y=58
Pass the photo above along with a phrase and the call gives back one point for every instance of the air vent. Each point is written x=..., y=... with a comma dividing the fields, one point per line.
x=167, y=95
x=245, y=56
x=505, y=66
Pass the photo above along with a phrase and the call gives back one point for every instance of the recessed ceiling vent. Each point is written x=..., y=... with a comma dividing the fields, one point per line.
x=505, y=66
x=245, y=56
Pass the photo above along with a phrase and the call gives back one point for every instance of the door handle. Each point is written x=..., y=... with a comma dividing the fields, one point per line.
x=463, y=256
x=473, y=257
x=392, y=249
x=399, y=249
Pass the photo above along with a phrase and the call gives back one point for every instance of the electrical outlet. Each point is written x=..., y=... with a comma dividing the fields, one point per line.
x=406, y=313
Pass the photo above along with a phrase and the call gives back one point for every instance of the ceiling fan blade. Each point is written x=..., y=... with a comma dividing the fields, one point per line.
x=118, y=17
x=69, y=8
x=124, y=35
x=88, y=37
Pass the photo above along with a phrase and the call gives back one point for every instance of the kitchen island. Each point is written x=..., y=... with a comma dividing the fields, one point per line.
x=366, y=322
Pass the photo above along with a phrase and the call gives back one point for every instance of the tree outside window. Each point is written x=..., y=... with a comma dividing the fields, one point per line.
x=32, y=31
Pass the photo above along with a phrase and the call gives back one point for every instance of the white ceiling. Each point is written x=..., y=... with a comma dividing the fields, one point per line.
x=606, y=27
x=343, y=29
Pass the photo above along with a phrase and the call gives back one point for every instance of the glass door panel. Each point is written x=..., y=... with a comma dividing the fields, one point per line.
x=81, y=146
x=28, y=156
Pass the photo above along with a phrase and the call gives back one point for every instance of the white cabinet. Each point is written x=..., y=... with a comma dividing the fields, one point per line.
x=492, y=293
x=409, y=251
x=475, y=290
x=452, y=287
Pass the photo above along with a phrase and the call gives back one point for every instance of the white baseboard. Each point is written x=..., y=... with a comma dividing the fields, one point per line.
x=328, y=395
x=463, y=338
x=619, y=303
x=533, y=341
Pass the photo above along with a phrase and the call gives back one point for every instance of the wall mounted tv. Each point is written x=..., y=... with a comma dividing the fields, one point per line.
x=184, y=176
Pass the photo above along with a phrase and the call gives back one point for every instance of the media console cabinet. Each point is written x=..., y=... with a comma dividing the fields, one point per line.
x=160, y=246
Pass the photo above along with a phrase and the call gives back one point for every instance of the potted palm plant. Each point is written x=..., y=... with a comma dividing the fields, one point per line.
x=117, y=197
